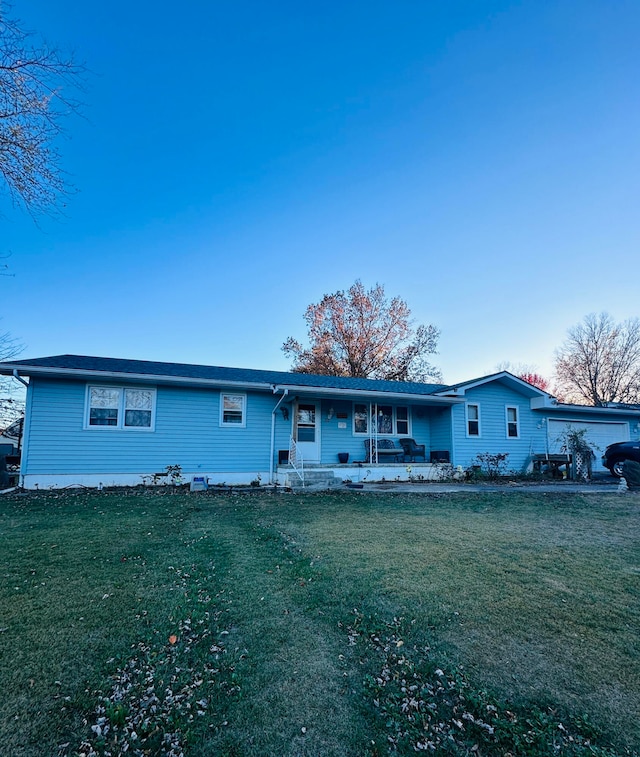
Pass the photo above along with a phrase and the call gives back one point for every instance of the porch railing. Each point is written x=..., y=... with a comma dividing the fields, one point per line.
x=296, y=460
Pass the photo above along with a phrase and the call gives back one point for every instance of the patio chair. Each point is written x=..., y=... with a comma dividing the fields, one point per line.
x=412, y=450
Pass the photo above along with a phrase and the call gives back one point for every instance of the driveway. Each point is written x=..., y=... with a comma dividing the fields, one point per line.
x=601, y=483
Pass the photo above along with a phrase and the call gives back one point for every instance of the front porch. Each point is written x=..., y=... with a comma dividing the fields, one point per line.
x=288, y=475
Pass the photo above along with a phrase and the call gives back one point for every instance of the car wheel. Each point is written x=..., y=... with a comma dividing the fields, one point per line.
x=615, y=466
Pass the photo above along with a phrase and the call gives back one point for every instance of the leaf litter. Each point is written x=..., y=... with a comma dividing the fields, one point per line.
x=159, y=693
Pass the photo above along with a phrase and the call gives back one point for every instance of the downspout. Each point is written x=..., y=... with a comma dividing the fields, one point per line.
x=452, y=433
x=19, y=378
x=273, y=432
x=23, y=442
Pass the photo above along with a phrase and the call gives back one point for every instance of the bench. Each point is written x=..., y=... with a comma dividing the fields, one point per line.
x=386, y=450
x=552, y=463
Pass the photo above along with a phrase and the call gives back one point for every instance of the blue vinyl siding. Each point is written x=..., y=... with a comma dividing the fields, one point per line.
x=493, y=399
x=421, y=430
x=440, y=420
x=334, y=439
x=187, y=433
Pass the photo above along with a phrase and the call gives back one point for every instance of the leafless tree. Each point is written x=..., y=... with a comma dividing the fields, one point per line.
x=600, y=362
x=11, y=394
x=37, y=83
x=526, y=372
x=363, y=334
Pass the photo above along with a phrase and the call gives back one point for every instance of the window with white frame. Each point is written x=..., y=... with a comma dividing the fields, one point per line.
x=402, y=421
x=382, y=420
x=360, y=418
x=513, y=427
x=120, y=407
x=473, y=420
x=233, y=409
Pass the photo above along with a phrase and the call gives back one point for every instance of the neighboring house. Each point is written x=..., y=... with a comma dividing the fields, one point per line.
x=106, y=421
x=12, y=435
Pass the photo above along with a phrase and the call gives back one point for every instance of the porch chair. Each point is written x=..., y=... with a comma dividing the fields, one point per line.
x=413, y=450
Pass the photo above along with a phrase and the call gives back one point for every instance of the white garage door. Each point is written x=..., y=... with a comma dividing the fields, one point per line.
x=599, y=435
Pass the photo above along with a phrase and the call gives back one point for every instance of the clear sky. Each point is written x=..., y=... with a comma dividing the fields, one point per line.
x=240, y=159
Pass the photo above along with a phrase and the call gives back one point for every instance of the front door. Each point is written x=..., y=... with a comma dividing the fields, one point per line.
x=307, y=431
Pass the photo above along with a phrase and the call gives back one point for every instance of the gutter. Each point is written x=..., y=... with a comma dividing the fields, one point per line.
x=146, y=378
x=273, y=430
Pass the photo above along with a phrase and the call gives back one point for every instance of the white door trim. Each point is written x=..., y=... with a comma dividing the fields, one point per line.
x=310, y=450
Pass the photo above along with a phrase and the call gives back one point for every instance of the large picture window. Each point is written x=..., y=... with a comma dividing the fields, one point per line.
x=382, y=420
x=120, y=407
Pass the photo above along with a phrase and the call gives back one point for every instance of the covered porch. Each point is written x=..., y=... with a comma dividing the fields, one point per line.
x=349, y=432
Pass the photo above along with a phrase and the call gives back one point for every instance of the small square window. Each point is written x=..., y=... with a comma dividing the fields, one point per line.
x=232, y=409
x=104, y=406
x=138, y=406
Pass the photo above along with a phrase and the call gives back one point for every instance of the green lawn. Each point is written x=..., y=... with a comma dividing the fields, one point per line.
x=142, y=622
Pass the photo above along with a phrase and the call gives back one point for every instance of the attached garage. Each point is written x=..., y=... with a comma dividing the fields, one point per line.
x=599, y=435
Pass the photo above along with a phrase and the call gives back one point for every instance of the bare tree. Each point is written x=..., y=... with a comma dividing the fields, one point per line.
x=526, y=372
x=11, y=395
x=363, y=334
x=35, y=85
x=600, y=362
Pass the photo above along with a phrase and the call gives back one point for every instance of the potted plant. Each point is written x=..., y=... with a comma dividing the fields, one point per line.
x=343, y=457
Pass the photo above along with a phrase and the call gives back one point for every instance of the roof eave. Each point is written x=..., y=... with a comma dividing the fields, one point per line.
x=527, y=389
x=369, y=393
x=83, y=374
x=137, y=378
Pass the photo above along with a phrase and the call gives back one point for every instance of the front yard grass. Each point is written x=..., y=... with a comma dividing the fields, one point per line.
x=154, y=622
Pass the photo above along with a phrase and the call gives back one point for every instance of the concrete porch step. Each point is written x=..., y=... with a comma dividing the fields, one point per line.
x=313, y=479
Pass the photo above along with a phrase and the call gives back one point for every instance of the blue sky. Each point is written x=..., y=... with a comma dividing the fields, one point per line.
x=237, y=160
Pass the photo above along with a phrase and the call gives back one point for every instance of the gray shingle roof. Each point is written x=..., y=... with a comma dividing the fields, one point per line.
x=84, y=363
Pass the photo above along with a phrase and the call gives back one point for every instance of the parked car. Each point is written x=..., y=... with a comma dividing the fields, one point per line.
x=11, y=435
x=615, y=455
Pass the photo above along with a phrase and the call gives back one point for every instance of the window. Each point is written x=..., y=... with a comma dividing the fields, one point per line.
x=513, y=432
x=306, y=423
x=387, y=420
x=384, y=419
x=402, y=420
x=232, y=409
x=360, y=415
x=119, y=407
x=473, y=420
